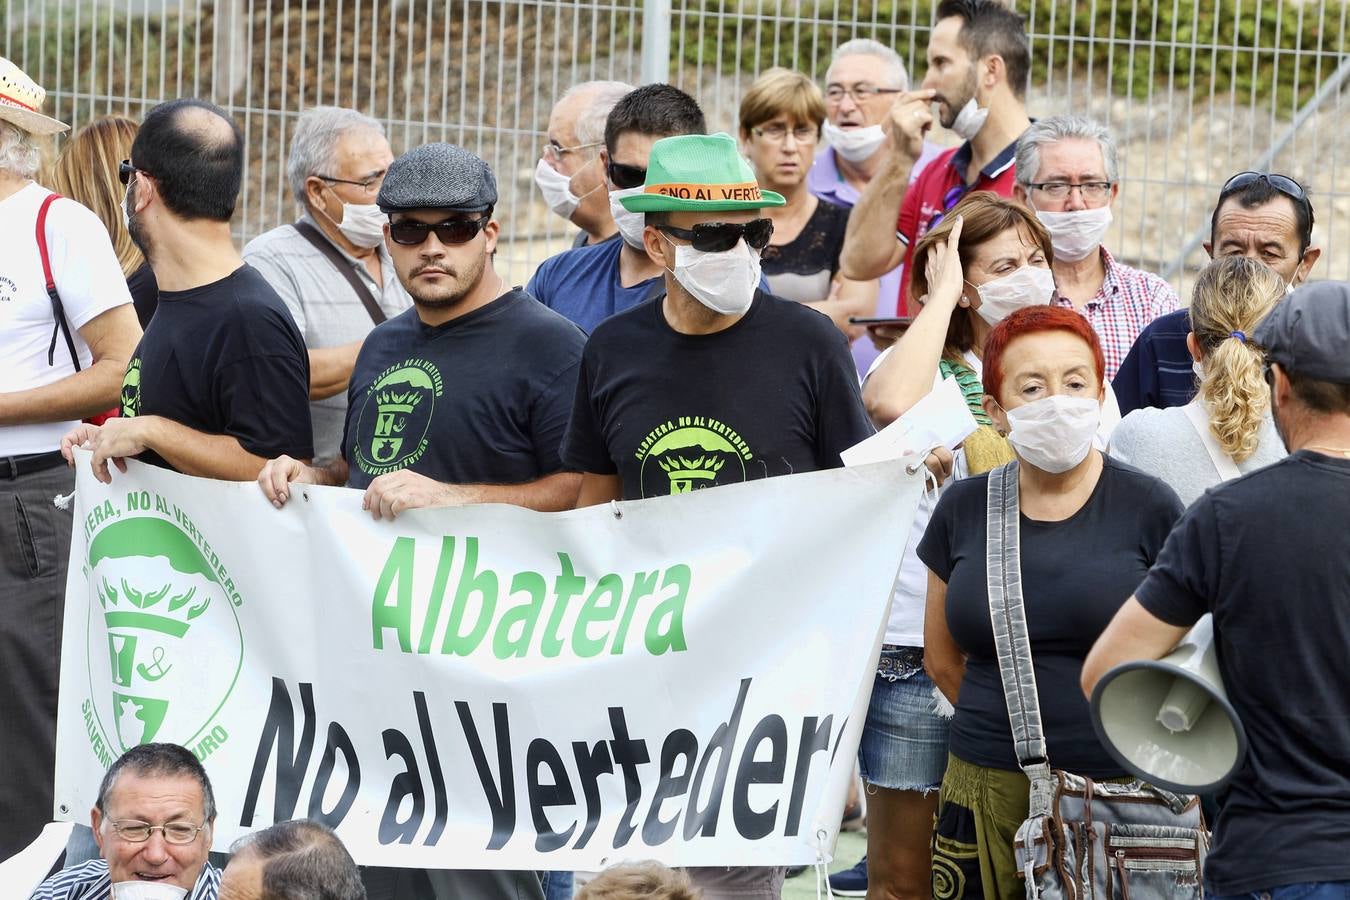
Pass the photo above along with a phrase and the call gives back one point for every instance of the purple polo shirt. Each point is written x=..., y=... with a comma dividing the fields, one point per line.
x=826, y=183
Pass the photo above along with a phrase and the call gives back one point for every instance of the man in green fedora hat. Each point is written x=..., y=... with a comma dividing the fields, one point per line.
x=714, y=382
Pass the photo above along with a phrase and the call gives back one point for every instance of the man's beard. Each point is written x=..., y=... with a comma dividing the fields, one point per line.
x=138, y=235
x=952, y=106
x=446, y=298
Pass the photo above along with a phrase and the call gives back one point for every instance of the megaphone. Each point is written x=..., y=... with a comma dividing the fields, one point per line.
x=1168, y=721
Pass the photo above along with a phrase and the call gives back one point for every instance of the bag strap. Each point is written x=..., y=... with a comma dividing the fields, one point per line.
x=58, y=309
x=1007, y=614
x=1195, y=413
x=344, y=267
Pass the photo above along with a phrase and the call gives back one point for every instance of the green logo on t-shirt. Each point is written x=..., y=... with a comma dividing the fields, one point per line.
x=131, y=389
x=391, y=432
x=691, y=453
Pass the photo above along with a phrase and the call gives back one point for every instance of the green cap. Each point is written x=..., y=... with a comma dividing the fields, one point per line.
x=696, y=173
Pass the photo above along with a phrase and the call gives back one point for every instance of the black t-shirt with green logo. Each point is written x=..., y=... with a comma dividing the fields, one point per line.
x=481, y=399
x=775, y=393
x=225, y=358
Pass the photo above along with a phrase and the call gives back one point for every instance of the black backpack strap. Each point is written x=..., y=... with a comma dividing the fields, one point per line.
x=322, y=244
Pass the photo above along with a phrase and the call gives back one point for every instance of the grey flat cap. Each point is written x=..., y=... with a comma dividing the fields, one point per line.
x=438, y=176
x=1308, y=332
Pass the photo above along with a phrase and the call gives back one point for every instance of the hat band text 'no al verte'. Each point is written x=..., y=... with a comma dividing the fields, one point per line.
x=746, y=190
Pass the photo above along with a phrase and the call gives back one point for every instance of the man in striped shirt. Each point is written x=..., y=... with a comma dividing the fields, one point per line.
x=153, y=821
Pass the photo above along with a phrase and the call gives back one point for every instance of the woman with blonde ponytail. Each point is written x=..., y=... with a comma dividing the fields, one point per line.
x=1227, y=429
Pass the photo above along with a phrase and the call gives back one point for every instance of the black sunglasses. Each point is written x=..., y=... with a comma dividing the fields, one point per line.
x=717, y=237
x=625, y=177
x=451, y=231
x=125, y=170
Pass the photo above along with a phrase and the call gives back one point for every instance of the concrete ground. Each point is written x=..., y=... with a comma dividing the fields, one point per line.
x=850, y=848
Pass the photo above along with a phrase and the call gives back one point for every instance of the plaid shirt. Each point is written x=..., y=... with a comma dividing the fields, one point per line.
x=1127, y=301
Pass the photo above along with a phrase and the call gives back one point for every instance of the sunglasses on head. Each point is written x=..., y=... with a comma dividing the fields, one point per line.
x=450, y=231
x=1282, y=183
x=625, y=177
x=125, y=170
x=717, y=237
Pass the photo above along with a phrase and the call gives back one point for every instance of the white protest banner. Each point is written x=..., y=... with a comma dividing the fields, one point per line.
x=683, y=678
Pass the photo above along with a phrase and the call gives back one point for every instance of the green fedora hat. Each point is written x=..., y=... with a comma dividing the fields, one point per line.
x=696, y=173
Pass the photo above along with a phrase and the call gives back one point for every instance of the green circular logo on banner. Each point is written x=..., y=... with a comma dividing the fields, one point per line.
x=165, y=646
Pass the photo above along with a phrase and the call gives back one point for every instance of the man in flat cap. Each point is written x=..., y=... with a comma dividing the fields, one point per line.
x=464, y=397
x=461, y=399
x=1269, y=555
x=714, y=381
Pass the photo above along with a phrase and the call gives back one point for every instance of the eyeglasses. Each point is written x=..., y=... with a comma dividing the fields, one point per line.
x=625, y=177
x=1060, y=190
x=802, y=134
x=450, y=231
x=125, y=170
x=374, y=181
x=139, y=832
x=717, y=237
x=555, y=151
x=860, y=93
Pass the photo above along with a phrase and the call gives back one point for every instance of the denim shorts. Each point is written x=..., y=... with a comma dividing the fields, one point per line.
x=904, y=741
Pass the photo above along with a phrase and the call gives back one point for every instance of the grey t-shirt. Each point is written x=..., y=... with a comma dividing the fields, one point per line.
x=325, y=308
x=1163, y=443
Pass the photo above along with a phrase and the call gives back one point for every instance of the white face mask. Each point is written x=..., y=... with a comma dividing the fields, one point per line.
x=1027, y=286
x=1198, y=368
x=557, y=190
x=146, y=890
x=363, y=224
x=724, y=282
x=630, y=223
x=1077, y=234
x=1055, y=433
x=855, y=144
x=970, y=120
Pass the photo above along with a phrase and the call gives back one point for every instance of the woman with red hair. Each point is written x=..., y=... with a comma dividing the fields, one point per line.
x=1088, y=530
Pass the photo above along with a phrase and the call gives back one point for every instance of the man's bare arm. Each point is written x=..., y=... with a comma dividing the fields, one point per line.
x=870, y=246
x=396, y=492
x=330, y=368
x=112, y=337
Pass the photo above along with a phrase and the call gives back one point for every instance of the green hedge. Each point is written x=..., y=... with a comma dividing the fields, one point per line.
x=1283, y=49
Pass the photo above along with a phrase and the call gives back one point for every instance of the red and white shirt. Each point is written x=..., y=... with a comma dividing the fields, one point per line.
x=939, y=187
x=1128, y=300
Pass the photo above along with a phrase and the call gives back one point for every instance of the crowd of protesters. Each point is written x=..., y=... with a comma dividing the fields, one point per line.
x=1169, y=461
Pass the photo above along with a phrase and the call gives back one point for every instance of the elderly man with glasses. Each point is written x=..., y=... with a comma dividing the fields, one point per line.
x=1263, y=216
x=152, y=821
x=570, y=173
x=1066, y=172
x=330, y=266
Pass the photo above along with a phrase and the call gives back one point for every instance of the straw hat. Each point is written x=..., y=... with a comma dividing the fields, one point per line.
x=20, y=100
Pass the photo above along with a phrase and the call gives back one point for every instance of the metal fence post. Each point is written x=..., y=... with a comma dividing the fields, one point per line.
x=655, y=41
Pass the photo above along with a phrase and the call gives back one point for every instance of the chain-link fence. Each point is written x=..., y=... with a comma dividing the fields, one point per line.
x=1193, y=90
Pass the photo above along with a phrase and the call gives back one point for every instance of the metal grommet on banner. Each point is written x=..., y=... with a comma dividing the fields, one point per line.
x=822, y=865
x=614, y=507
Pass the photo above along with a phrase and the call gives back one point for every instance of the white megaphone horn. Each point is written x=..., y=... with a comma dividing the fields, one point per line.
x=1169, y=721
